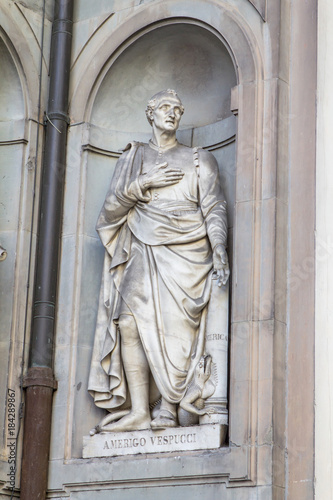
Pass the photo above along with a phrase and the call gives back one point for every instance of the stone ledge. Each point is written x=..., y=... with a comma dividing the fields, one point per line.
x=200, y=437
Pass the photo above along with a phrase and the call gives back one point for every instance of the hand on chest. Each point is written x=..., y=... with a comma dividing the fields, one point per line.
x=179, y=157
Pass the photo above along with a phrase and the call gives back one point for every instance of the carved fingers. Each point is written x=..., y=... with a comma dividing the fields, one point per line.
x=160, y=176
x=205, y=411
x=221, y=265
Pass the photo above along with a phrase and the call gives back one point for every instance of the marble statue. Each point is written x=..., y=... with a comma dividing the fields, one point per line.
x=164, y=227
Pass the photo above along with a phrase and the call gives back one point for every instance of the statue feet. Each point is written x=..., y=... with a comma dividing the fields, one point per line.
x=110, y=417
x=133, y=421
x=95, y=430
x=164, y=420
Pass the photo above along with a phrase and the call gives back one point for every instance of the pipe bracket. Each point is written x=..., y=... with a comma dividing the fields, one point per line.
x=57, y=115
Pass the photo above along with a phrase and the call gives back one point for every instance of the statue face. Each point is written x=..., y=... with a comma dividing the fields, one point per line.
x=167, y=114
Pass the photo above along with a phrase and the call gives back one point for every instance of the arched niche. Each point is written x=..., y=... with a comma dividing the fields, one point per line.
x=12, y=115
x=253, y=215
x=114, y=37
x=12, y=124
x=188, y=58
x=12, y=110
x=196, y=63
x=182, y=56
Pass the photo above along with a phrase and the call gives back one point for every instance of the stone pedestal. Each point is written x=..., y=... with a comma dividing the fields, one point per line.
x=107, y=444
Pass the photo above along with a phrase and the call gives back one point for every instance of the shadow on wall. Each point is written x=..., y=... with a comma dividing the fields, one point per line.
x=184, y=57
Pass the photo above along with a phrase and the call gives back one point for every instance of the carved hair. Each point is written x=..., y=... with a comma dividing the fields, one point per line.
x=151, y=105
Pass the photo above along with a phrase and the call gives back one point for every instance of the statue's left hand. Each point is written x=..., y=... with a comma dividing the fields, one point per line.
x=221, y=265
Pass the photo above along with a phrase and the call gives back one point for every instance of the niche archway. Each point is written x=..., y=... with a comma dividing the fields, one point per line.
x=12, y=145
x=89, y=174
x=193, y=61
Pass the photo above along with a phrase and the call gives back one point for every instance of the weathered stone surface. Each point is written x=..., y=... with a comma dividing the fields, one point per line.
x=205, y=437
x=324, y=260
x=272, y=147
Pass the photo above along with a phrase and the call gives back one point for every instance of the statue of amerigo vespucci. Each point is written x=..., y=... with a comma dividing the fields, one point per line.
x=164, y=227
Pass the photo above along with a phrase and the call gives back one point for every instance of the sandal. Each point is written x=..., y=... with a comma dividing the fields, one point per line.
x=164, y=420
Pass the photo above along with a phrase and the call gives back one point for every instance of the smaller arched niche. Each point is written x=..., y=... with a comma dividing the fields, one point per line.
x=12, y=113
x=11, y=97
x=12, y=124
x=189, y=59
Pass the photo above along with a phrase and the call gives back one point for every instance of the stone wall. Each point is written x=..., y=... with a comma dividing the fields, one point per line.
x=324, y=347
x=246, y=72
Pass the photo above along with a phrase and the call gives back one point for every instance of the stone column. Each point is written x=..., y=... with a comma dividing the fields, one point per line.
x=217, y=346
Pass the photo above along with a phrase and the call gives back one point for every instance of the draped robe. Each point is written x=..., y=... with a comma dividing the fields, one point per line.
x=159, y=263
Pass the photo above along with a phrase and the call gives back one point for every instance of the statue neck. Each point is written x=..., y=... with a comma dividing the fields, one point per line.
x=163, y=139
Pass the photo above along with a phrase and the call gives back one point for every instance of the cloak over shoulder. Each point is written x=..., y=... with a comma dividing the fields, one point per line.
x=159, y=262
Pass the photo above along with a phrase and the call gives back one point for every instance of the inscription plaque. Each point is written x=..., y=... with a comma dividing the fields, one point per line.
x=135, y=442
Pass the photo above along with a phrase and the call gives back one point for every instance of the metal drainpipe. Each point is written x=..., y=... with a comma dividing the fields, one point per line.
x=39, y=381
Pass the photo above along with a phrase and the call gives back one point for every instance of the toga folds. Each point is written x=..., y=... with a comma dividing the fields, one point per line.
x=158, y=265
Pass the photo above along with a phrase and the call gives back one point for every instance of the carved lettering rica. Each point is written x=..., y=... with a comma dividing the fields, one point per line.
x=217, y=336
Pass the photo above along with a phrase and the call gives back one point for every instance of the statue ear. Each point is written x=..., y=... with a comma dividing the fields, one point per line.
x=151, y=115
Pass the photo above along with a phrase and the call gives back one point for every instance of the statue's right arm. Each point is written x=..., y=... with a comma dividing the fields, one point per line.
x=125, y=189
x=123, y=194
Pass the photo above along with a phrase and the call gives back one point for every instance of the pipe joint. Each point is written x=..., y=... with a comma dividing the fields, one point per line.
x=40, y=376
x=62, y=26
x=44, y=309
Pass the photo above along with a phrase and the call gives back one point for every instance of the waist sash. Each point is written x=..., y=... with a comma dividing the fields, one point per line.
x=153, y=226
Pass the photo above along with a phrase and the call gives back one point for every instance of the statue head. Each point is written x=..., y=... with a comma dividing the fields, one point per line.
x=165, y=95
